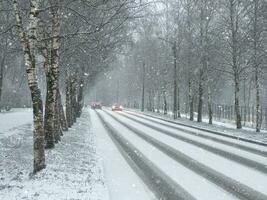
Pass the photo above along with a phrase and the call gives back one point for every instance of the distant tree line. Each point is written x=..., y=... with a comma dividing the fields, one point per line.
x=194, y=56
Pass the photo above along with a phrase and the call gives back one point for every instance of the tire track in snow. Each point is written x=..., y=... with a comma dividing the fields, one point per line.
x=164, y=187
x=233, y=144
x=232, y=186
x=239, y=159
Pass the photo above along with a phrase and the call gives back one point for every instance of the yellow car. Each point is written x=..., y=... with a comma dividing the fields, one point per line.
x=116, y=107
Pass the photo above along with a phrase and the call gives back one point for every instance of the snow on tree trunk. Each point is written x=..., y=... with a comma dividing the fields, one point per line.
x=28, y=42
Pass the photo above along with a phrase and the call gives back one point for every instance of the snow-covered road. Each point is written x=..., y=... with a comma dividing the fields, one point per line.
x=128, y=156
x=199, y=164
x=122, y=181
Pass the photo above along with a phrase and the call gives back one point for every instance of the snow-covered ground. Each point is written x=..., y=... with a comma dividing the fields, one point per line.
x=236, y=171
x=122, y=181
x=221, y=126
x=88, y=165
x=73, y=171
x=193, y=183
x=247, y=177
x=14, y=119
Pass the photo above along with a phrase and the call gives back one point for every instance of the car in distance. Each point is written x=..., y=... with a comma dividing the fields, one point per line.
x=96, y=105
x=116, y=107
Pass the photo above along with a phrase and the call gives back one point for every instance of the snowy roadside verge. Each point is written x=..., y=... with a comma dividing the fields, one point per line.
x=245, y=133
x=73, y=169
x=13, y=119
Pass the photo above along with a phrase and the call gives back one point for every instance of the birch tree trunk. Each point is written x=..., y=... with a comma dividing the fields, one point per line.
x=28, y=42
x=68, y=100
x=153, y=100
x=174, y=80
x=258, y=110
x=55, y=67
x=80, y=97
x=256, y=38
x=48, y=117
x=245, y=103
x=74, y=103
x=234, y=23
x=158, y=101
x=200, y=97
x=189, y=54
x=63, y=121
x=237, y=106
x=52, y=118
x=191, y=101
x=209, y=105
x=2, y=65
x=57, y=127
x=178, y=102
x=165, y=111
x=149, y=103
x=143, y=90
x=202, y=65
x=49, y=112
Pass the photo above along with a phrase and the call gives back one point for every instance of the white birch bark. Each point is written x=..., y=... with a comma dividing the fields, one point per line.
x=234, y=25
x=28, y=42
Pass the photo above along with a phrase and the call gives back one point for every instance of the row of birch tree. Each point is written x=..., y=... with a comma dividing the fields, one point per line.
x=66, y=44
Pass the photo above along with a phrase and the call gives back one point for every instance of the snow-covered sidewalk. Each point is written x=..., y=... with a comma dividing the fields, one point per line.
x=73, y=168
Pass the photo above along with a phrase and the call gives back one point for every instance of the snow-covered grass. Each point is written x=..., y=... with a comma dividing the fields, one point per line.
x=221, y=126
x=73, y=168
x=12, y=119
x=228, y=123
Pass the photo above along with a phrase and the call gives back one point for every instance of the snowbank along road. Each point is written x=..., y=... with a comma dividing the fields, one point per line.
x=178, y=162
